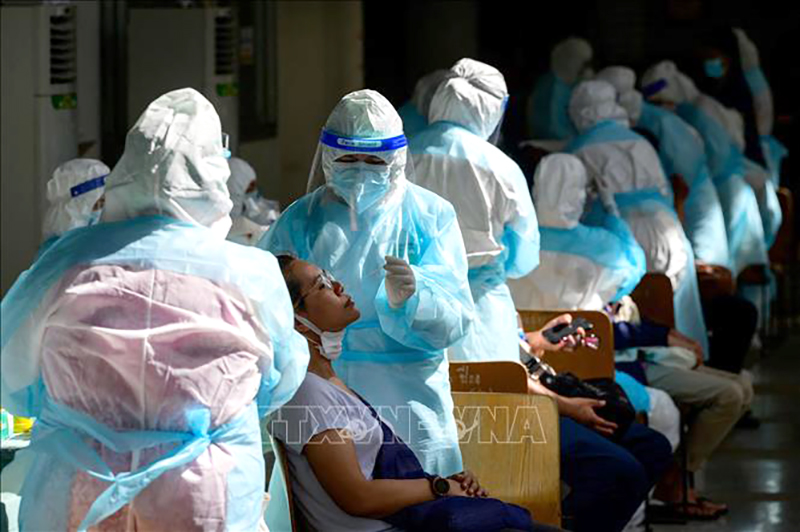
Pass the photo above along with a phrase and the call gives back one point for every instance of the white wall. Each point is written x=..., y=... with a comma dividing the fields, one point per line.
x=320, y=58
x=88, y=26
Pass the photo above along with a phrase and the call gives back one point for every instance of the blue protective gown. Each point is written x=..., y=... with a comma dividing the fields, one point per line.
x=393, y=357
x=463, y=165
x=746, y=241
x=548, y=109
x=681, y=152
x=61, y=433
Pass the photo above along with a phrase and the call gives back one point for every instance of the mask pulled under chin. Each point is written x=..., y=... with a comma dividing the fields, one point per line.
x=331, y=346
x=361, y=185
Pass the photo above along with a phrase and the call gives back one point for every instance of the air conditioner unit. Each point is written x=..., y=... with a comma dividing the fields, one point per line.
x=39, y=120
x=171, y=48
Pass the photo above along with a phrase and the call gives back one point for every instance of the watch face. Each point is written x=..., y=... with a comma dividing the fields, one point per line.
x=441, y=486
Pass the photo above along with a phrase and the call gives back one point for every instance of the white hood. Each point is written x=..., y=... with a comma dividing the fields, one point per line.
x=559, y=191
x=173, y=165
x=73, y=192
x=475, y=98
x=593, y=102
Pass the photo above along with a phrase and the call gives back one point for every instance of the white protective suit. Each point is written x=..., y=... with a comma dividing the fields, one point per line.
x=453, y=158
x=148, y=347
x=628, y=174
x=581, y=267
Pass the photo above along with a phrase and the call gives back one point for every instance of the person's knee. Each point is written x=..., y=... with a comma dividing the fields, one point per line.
x=730, y=398
x=746, y=387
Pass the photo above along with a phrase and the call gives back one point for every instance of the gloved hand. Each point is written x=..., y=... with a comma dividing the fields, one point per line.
x=400, y=281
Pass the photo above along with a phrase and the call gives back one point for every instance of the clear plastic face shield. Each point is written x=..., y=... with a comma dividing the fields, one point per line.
x=497, y=135
x=362, y=172
x=226, y=145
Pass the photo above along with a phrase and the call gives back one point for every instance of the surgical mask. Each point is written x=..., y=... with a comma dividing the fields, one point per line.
x=714, y=68
x=360, y=184
x=331, y=346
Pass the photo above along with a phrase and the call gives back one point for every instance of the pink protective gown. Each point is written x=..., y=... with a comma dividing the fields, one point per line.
x=137, y=350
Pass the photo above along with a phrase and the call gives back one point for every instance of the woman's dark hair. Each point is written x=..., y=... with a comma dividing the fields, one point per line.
x=285, y=262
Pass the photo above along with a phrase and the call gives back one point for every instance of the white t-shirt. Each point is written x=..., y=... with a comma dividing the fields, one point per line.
x=318, y=406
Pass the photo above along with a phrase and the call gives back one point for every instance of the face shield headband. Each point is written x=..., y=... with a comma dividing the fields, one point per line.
x=87, y=186
x=362, y=145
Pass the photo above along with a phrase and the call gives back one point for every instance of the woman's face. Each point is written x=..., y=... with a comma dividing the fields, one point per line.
x=322, y=302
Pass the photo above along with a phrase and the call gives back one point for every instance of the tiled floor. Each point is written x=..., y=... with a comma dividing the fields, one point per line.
x=757, y=472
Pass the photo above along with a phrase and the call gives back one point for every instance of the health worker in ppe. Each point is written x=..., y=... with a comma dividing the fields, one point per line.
x=148, y=347
x=681, y=152
x=664, y=85
x=399, y=249
x=75, y=197
x=415, y=111
x=581, y=267
x=548, y=105
x=252, y=214
x=627, y=173
x=453, y=158
x=750, y=61
x=723, y=78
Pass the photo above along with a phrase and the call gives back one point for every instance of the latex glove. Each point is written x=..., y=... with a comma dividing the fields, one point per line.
x=400, y=281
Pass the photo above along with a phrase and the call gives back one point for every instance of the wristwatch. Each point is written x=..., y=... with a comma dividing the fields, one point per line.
x=439, y=486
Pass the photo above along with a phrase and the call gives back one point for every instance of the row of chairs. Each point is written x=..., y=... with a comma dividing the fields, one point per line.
x=509, y=438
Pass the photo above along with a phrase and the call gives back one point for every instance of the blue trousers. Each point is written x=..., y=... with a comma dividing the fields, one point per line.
x=608, y=481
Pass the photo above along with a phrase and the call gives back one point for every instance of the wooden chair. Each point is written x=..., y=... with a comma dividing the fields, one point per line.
x=583, y=362
x=498, y=377
x=280, y=461
x=511, y=441
x=653, y=295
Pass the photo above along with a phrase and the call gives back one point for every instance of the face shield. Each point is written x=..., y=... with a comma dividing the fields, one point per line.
x=497, y=134
x=362, y=172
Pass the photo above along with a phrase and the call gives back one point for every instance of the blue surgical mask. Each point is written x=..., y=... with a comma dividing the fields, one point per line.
x=360, y=184
x=714, y=68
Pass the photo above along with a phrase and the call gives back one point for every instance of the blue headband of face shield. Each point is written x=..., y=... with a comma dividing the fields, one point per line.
x=654, y=88
x=361, y=145
x=87, y=186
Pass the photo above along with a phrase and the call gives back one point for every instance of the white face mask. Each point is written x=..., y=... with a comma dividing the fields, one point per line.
x=331, y=347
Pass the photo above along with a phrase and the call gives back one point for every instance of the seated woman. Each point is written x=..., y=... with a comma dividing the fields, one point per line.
x=349, y=470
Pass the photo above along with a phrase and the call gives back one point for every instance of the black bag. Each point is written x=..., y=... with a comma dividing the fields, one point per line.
x=618, y=408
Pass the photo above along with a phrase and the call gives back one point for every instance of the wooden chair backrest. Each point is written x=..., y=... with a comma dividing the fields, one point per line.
x=499, y=377
x=511, y=442
x=281, y=461
x=583, y=362
x=783, y=251
x=653, y=295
